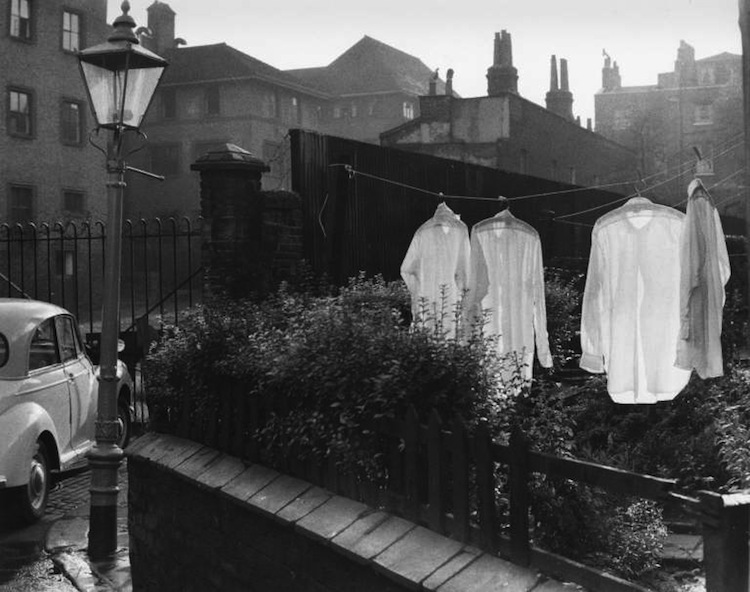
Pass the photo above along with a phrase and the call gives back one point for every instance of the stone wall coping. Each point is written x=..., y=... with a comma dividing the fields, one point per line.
x=411, y=556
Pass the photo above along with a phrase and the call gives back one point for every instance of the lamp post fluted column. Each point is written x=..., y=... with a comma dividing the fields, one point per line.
x=106, y=456
x=121, y=78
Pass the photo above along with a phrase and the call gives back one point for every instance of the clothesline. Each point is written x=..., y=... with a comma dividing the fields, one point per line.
x=664, y=182
x=684, y=201
x=353, y=172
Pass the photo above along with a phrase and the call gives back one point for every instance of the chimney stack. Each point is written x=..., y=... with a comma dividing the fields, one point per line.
x=559, y=98
x=610, y=74
x=502, y=77
x=449, y=82
x=161, y=23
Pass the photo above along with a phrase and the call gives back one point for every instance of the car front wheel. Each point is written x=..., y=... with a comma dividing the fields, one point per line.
x=125, y=425
x=34, y=496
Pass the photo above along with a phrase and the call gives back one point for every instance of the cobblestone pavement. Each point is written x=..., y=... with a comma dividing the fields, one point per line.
x=24, y=563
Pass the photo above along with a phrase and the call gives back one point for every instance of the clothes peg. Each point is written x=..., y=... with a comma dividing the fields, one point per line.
x=503, y=203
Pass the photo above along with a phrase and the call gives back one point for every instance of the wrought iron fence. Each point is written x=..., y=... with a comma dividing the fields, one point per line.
x=64, y=262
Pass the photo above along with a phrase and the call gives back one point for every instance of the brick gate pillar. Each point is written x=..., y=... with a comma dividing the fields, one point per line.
x=231, y=206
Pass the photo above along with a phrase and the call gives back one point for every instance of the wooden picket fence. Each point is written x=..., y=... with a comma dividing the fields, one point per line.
x=441, y=476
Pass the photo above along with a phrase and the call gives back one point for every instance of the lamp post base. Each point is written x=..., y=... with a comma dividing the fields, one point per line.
x=105, y=461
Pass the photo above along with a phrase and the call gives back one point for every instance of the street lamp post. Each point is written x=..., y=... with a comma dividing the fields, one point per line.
x=120, y=77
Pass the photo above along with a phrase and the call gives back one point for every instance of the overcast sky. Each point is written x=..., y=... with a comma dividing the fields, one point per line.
x=641, y=35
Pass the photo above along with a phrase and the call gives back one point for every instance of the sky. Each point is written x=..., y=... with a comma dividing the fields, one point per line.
x=641, y=35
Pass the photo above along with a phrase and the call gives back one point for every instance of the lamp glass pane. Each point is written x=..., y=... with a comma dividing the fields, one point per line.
x=102, y=88
x=142, y=84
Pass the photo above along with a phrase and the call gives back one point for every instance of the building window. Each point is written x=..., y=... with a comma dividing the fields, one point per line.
x=703, y=115
x=213, y=102
x=621, y=119
x=73, y=202
x=21, y=204
x=373, y=109
x=71, y=123
x=71, y=40
x=337, y=111
x=408, y=110
x=169, y=103
x=65, y=263
x=20, y=19
x=354, y=110
x=523, y=165
x=165, y=159
x=572, y=175
x=20, y=113
x=554, y=170
x=270, y=105
x=296, y=114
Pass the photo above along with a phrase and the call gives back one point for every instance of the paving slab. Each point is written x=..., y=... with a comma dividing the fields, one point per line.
x=417, y=555
x=329, y=519
x=221, y=472
x=197, y=463
x=450, y=569
x=304, y=504
x=278, y=494
x=491, y=574
x=353, y=534
x=364, y=544
x=68, y=533
x=179, y=454
x=249, y=482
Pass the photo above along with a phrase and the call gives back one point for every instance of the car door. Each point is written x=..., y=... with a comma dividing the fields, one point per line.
x=80, y=376
x=47, y=386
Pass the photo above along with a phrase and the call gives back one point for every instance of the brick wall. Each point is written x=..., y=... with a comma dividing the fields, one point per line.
x=202, y=520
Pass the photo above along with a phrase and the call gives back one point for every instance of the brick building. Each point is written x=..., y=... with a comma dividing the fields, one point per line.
x=373, y=87
x=699, y=104
x=212, y=95
x=503, y=130
x=48, y=170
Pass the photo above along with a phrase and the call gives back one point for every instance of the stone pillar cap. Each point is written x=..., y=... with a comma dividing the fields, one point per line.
x=229, y=156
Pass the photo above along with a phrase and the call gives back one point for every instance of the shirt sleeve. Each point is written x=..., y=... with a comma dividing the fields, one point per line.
x=478, y=280
x=592, y=314
x=692, y=257
x=410, y=266
x=540, y=309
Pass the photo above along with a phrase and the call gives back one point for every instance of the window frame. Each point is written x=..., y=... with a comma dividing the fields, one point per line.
x=43, y=361
x=31, y=37
x=172, y=93
x=213, y=98
x=81, y=124
x=79, y=15
x=66, y=192
x=10, y=205
x=9, y=114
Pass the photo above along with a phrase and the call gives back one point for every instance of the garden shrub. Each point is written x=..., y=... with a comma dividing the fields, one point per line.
x=343, y=357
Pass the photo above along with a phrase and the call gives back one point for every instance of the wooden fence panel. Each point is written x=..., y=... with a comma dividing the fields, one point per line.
x=460, y=469
x=485, y=468
x=436, y=473
x=519, y=498
x=411, y=432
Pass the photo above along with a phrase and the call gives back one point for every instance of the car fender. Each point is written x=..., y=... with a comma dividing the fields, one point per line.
x=20, y=428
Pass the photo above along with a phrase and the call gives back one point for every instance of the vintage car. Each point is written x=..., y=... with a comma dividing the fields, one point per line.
x=48, y=401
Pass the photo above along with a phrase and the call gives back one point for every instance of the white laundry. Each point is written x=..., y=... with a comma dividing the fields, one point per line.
x=631, y=313
x=436, y=268
x=704, y=273
x=507, y=279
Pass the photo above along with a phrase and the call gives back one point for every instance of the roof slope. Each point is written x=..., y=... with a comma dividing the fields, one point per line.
x=207, y=63
x=720, y=57
x=371, y=66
